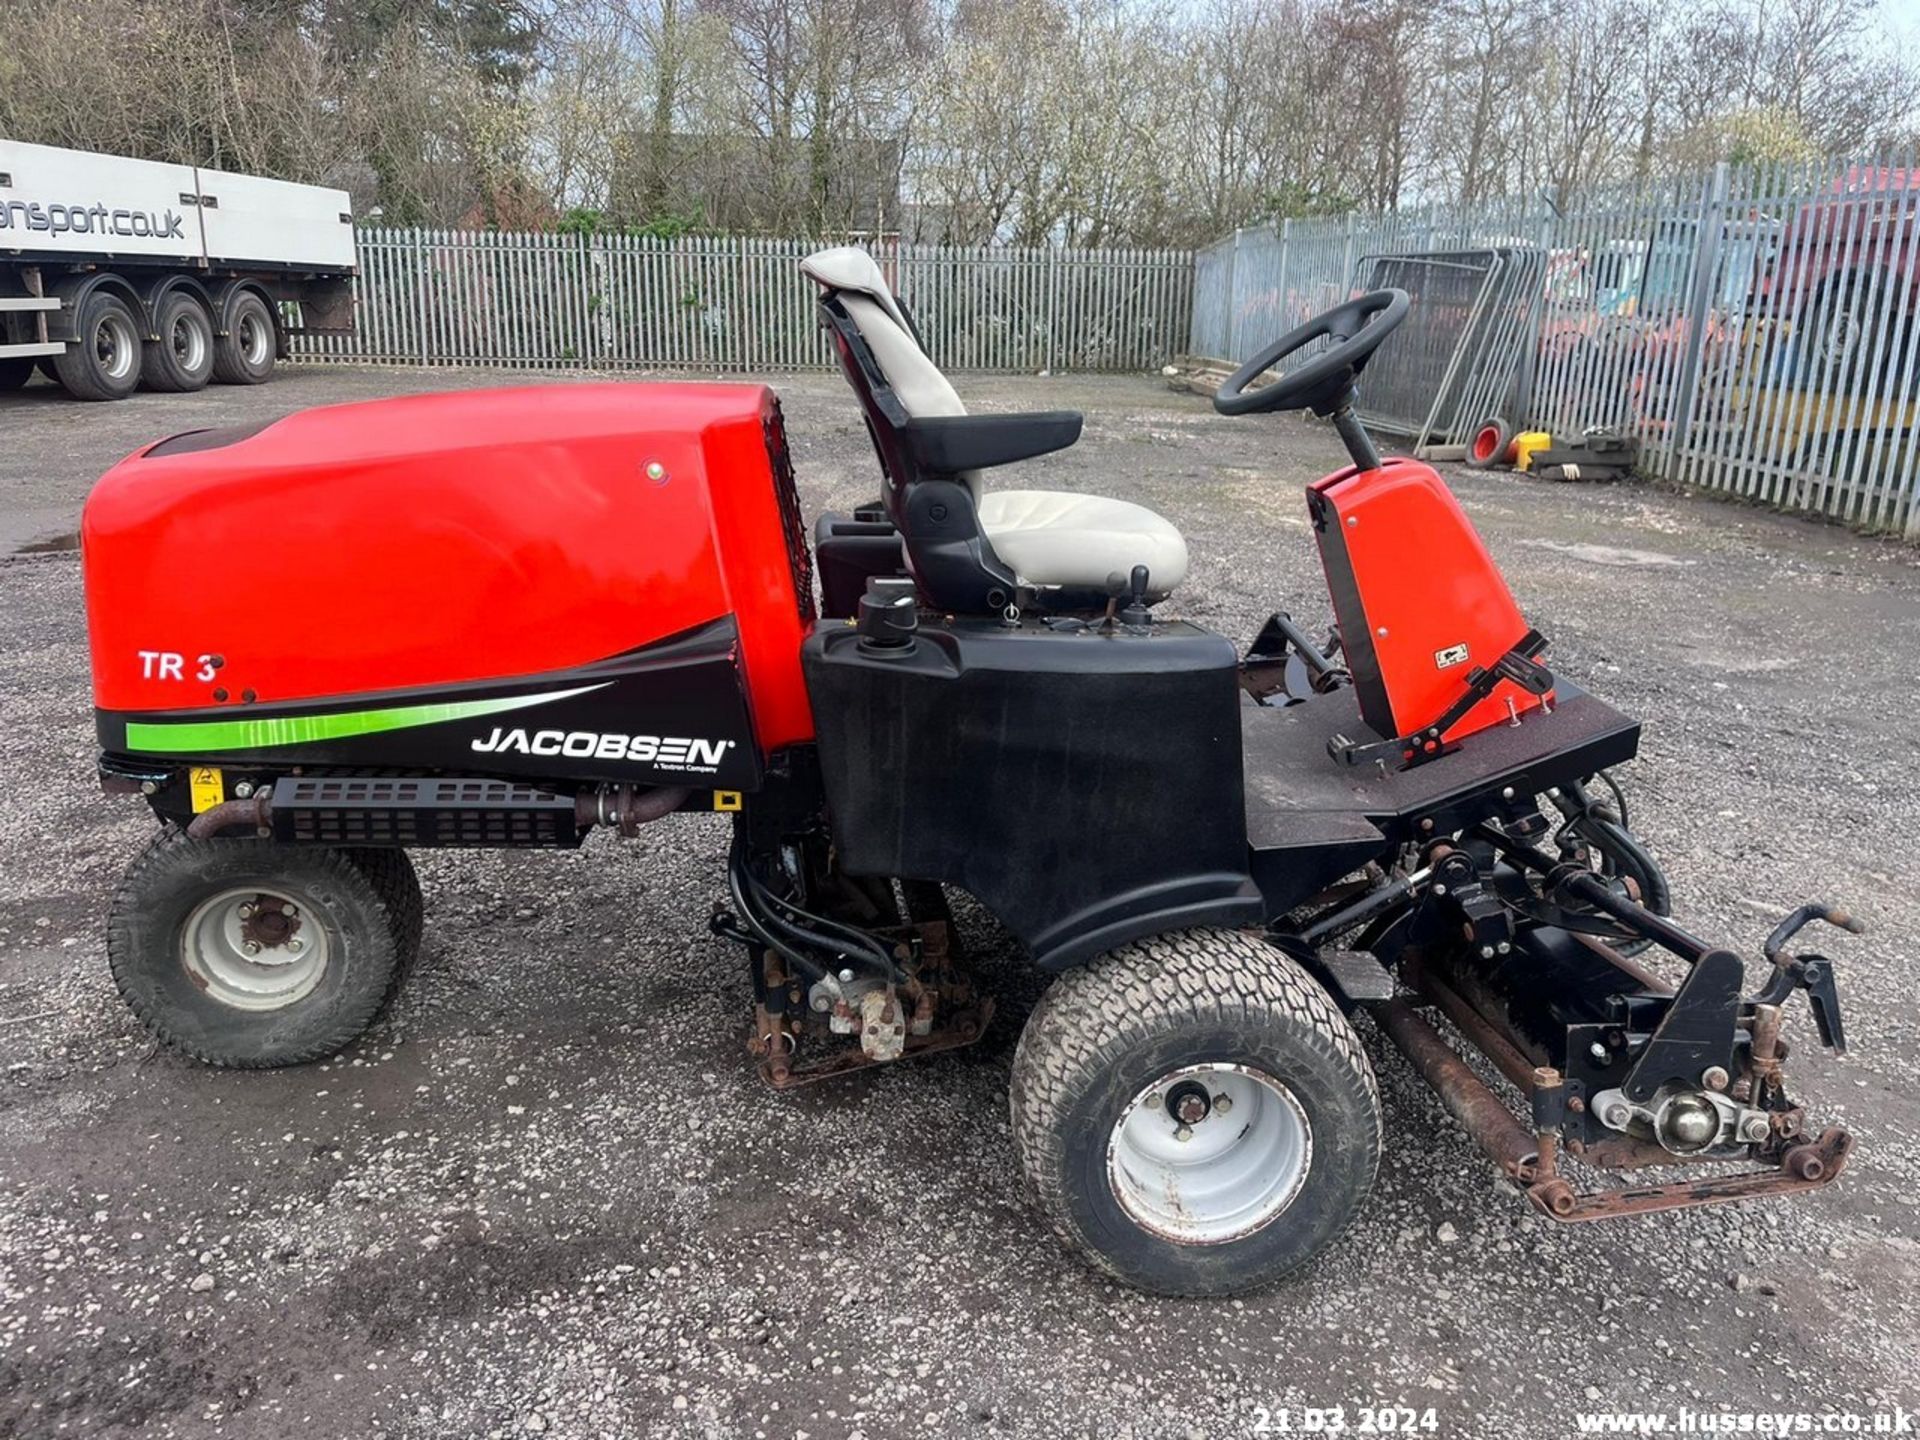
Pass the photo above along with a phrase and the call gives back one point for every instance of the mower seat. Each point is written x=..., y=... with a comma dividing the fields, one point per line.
x=1045, y=540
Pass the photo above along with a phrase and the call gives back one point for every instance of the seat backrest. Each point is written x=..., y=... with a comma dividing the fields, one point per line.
x=930, y=500
x=894, y=374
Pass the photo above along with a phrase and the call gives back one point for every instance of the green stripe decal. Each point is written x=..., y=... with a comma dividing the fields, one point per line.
x=199, y=737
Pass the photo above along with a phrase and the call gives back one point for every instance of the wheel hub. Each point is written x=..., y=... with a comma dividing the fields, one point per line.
x=1208, y=1154
x=189, y=345
x=113, y=347
x=1189, y=1103
x=251, y=949
x=268, y=922
x=253, y=340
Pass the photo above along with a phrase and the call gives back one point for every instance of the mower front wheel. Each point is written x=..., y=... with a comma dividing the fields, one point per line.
x=248, y=954
x=1194, y=1113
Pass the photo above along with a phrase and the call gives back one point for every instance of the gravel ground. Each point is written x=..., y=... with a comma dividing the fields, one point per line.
x=547, y=1195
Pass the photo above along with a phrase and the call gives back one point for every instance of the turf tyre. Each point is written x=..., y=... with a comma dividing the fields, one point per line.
x=148, y=930
x=1102, y=1033
x=393, y=875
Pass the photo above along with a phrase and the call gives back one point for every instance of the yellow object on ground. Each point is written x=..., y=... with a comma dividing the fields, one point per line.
x=1524, y=445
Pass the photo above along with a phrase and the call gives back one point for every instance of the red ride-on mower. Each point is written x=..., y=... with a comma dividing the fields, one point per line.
x=527, y=614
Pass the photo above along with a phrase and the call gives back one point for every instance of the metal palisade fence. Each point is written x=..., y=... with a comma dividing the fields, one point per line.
x=722, y=303
x=1754, y=327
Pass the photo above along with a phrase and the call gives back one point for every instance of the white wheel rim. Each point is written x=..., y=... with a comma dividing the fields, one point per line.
x=189, y=343
x=115, y=347
x=1236, y=1170
x=253, y=338
x=240, y=954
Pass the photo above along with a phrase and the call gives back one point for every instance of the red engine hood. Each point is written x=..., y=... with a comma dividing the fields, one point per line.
x=438, y=539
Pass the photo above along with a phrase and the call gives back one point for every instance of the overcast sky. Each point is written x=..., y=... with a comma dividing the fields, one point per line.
x=1902, y=18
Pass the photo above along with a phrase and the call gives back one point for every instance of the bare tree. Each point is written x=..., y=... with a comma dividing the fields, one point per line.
x=1035, y=121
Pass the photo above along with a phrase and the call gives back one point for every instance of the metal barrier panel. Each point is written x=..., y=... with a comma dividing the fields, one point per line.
x=1454, y=362
x=1408, y=380
x=726, y=303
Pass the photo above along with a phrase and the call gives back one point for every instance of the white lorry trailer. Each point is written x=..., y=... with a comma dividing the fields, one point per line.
x=117, y=272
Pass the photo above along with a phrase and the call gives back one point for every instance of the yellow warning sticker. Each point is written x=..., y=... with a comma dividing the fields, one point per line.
x=726, y=799
x=209, y=787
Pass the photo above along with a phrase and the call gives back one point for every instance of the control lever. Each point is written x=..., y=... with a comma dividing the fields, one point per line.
x=1823, y=998
x=1811, y=973
x=1284, y=661
x=1429, y=743
x=1135, y=615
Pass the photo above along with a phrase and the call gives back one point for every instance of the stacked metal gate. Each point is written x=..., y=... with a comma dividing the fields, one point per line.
x=1757, y=329
x=1457, y=359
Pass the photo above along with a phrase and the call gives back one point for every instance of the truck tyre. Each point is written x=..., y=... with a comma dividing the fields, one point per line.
x=104, y=363
x=182, y=358
x=14, y=373
x=244, y=355
x=249, y=954
x=393, y=875
x=1217, y=1034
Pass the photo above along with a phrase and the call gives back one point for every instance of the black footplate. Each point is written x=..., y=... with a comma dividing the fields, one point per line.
x=421, y=811
x=1354, y=977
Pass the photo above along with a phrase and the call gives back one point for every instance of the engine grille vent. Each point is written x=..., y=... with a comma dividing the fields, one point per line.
x=787, y=495
x=421, y=812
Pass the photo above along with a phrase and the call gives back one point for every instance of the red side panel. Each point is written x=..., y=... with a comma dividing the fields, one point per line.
x=1419, y=600
x=759, y=532
x=439, y=539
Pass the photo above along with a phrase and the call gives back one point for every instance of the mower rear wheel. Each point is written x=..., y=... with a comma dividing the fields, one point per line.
x=248, y=954
x=1195, y=1115
x=393, y=875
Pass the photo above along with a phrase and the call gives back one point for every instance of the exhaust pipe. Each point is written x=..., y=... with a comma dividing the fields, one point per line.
x=628, y=807
x=256, y=811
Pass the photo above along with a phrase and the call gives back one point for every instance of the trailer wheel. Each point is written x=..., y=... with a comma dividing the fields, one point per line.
x=181, y=359
x=104, y=363
x=393, y=875
x=244, y=355
x=248, y=954
x=14, y=373
x=1195, y=1115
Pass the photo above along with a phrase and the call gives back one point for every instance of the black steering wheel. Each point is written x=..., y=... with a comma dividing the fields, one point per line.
x=1323, y=383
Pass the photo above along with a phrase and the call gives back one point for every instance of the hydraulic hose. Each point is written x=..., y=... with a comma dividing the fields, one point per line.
x=761, y=908
x=759, y=931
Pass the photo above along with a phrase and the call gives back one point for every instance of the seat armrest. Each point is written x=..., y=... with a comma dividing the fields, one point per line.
x=951, y=444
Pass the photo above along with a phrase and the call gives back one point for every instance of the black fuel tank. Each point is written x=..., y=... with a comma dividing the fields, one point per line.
x=1084, y=784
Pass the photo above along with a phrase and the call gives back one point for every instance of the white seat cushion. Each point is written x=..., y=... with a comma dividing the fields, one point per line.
x=1047, y=537
x=1055, y=537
